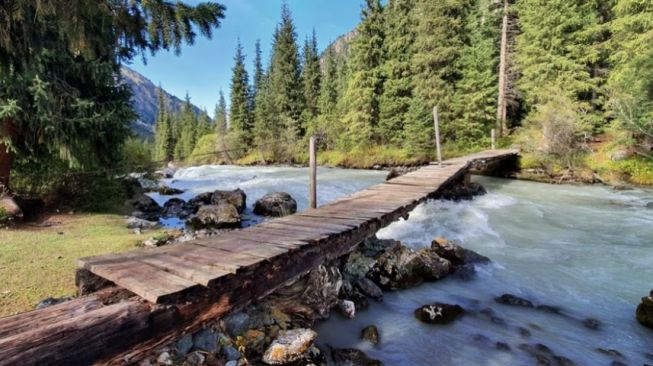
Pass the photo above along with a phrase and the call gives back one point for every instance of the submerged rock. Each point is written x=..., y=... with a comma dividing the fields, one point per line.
x=513, y=300
x=289, y=346
x=222, y=216
x=544, y=355
x=644, y=313
x=439, y=313
x=591, y=323
x=370, y=334
x=352, y=357
x=275, y=204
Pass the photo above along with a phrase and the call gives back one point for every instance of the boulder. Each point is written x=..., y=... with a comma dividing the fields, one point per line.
x=145, y=207
x=201, y=199
x=9, y=210
x=439, y=313
x=649, y=205
x=374, y=246
x=370, y=334
x=136, y=223
x=289, y=346
x=31, y=207
x=352, y=357
x=205, y=340
x=463, y=192
x=349, y=292
x=169, y=191
x=275, y=204
x=644, y=311
x=456, y=254
x=347, y=308
x=236, y=197
x=401, y=267
x=369, y=288
x=176, y=207
x=223, y=216
x=513, y=300
x=357, y=265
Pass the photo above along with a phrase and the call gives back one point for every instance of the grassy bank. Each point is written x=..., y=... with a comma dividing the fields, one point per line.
x=37, y=261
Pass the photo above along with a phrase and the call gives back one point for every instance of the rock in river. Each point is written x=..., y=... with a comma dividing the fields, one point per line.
x=644, y=311
x=369, y=288
x=401, y=267
x=289, y=346
x=176, y=207
x=370, y=334
x=347, y=308
x=275, y=204
x=456, y=254
x=236, y=197
x=439, y=313
x=513, y=300
x=221, y=216
x=352, y=357
x=145, y=207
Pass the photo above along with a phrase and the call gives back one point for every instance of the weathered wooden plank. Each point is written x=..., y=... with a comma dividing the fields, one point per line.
x=204, y=275
x=143, y=279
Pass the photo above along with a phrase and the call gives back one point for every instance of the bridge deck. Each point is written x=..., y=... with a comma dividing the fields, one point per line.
x=162, y=274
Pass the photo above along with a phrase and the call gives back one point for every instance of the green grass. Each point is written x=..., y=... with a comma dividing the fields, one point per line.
x=36, y=263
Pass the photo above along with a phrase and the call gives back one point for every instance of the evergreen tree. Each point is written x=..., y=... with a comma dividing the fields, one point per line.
x=240, y=119
x=311, y=75
x=164, y=143
x=438, y=45
x=326, y=124
x=365, y=83
x=478, y=64
x=259, y=73
x=59, y=66
x=631, y=80
x=221, y=116
x=556, y=52
x=284, y=82
x=187, y=131
x=204, y=125
x=397, y=73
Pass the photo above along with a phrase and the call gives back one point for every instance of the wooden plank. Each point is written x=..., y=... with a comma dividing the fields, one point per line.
x=143, y=279
x=204, y=275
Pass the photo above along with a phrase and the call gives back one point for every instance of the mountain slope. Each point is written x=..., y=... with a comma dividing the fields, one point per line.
x=144, y=101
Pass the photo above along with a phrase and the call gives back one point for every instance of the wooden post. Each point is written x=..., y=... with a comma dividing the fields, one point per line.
x=494, y=139
x=312, y=183
x=437, y=134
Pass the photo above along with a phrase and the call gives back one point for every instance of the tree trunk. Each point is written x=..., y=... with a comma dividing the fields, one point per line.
x=503, y=64
x=6, y=155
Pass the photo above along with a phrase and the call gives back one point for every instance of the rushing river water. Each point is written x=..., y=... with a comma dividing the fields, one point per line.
x=586, y=250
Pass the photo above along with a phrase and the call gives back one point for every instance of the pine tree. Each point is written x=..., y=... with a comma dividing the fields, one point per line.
x=397, y=73
x=164, y=143
x=59, y=62
x=221, y=116
x=284, y=83
x=478, y=64
x=240, y=118
x=438, y=46
x=204, y=125
x=326, y=124
x=631, y=80
x=259, y=73
x=556, y=52
x=187, y=131
x=365, y=82
x=311, y=76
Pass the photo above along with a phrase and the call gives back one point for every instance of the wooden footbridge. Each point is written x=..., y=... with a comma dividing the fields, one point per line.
x=143, y=299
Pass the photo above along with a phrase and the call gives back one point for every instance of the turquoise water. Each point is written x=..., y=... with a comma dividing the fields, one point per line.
x=587, y=250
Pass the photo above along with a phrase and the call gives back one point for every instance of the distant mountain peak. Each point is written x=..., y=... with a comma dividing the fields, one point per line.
x=144, y=101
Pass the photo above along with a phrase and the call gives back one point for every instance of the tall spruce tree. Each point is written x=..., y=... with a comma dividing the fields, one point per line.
x=477, y=89
x=439, y=43
x=187, y=131
x=221, y=116
x=259, y=73
x=59, y=65
x=397, y=73
x=631, y=80
x=326, y=123
x=365, y=81
x=556, y=52
x=311, y=77
x=284, y=82
x=204, y=125
x=164, y=144
x=240, y=117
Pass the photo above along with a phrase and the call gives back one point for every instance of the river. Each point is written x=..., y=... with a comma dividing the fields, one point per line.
x=587, y=250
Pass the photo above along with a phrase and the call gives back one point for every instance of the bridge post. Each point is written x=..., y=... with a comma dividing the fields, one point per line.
x=437, y=134
x=312, y=182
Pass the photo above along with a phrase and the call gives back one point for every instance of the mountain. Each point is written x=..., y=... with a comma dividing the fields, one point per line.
x=341, y=45
x=144, y=101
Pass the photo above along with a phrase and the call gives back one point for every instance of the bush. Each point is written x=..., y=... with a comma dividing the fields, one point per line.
x=136, y=156
x=5, y=220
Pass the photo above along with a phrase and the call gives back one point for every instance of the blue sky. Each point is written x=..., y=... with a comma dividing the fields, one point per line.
x=204, y=69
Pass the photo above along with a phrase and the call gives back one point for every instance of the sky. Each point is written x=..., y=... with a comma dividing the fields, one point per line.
x=203, y=69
